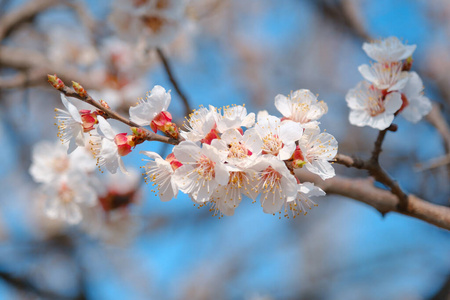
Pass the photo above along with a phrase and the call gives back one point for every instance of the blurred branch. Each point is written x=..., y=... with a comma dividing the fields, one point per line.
x=384, y=201
x=36, y=67
x=168, y=69
x=23, y=14
x=25, y=285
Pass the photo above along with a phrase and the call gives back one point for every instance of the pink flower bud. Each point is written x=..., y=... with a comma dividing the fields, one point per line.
x=89, y=119
x=160, y=121
x=122, y=142
x=55, y=82
x=298, y=158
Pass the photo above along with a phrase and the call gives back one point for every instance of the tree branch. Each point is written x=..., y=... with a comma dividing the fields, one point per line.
x=26, y=285
x=384, y=201
x=168, y=69
x=23, y=14
x=150, y=136
x=25, y=60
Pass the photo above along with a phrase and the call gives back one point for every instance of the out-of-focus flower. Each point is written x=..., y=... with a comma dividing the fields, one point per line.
x=65, y=195
x=415, y=104
x=301, y=106
x=390, y=49
x=370, y=108
x=50, y=161
x=156, y=21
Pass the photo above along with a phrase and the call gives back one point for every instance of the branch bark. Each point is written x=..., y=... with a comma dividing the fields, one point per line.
x=384, y=201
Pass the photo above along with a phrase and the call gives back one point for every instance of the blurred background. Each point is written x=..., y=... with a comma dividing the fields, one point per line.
x=223, y=52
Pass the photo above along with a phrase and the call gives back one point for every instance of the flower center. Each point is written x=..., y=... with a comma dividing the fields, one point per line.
x=237, y=150
x=60, y=164
x=299, y=111
x=205, y=168
x=271, y=178
x=271, y=144
x=66, y=194
x=154, y=23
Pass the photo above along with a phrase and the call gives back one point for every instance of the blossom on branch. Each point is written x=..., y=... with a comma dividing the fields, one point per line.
x=390, y=49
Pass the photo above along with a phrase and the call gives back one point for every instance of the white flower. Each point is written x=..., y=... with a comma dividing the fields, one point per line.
x=65, y=195
x=234, y=118
x=368, y=107
x=275, y=182
x=385, y=76
x=51, y=161
x=70, y=125
x=262, y=114
x=160, y=172
x=388, y=50
x=200, y=123
x=278, y=137
x=228, y=196
x=108, y=154
x=417, y=104
x=301, y=106
x=240, y=149
x=202, y=171
x=317, y=150
x=156, y=101
x=302, y=201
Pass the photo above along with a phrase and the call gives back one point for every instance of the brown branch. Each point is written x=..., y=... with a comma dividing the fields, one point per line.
x=384, y=201
x=23, y=14
x=25, y=285
x=150, y=136
x=38, y=66
x=168, y=69
x=377, y=172
x=436, y=118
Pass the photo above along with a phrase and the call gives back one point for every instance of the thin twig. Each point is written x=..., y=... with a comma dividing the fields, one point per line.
x=25, y=285
x=150, y=136
x=168, y=69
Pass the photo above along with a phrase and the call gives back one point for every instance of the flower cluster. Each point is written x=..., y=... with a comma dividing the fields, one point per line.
x=389, y=87
x=228, y=154
x=75, y=194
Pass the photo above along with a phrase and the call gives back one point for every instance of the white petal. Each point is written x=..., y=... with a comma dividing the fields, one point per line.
x=290, y=131
x=73, y=111
x=322, y=168
x=105, y=128
x=187, y=152
x=283, y=104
